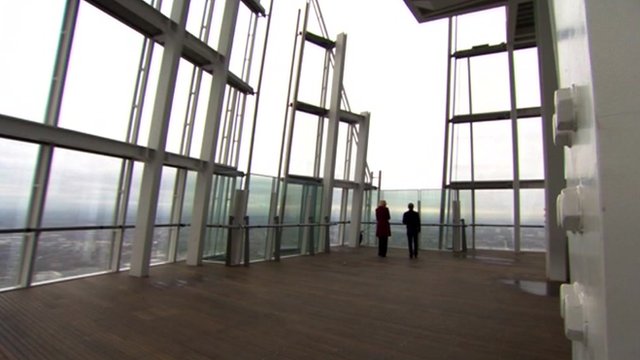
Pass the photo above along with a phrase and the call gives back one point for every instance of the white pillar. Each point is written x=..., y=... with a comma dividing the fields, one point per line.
x=332, y=132
x=211, y=128
x=358, y=193
x=151, y=175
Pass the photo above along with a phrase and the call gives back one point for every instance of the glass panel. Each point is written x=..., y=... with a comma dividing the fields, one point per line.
x=162, y=235
x=430, y=215
x=290, y=241
x=493, y=238
x=311, y=76
x=17, y=167
x=493, y=28
x=460, y=96
x=216, y=241
x=197, y=12
x=490, y=83
x=493, y=150
x=160, y=246
x=260, y=189
x=72, y=253
x=200, y=117
x=127, y=248
x=176, y=134
x=461, y=153
x=527, y=77
x=531, y=155
x=82, y=189
x=11, y=248
x=494, y=207
x=183, y=241
x=134, y=193
x=336, y=231
x=165, y=197
x=187, y=210
x=533, y=239
x=397, y=201
x=532, y=213
x=303, y=146
x=29, y=31
x=239, y=54
x=100, y=42
x=149, y=96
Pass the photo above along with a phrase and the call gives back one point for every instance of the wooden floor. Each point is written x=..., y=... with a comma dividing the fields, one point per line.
x=349, y=304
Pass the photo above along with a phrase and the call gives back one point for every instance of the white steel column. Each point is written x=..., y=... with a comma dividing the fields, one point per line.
x=332, y=132
x=43, y=166
x=151, y=176
x=211, y=128
x=358, y=193
x=556, y=239
x=512, y=11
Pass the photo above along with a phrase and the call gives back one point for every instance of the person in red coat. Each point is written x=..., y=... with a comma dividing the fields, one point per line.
x=383, y=229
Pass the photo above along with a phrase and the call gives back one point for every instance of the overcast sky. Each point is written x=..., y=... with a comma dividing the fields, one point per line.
x=395, y=69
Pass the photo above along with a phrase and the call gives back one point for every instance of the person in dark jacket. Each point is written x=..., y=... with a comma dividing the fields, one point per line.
x=412, y=220
x=383, y=228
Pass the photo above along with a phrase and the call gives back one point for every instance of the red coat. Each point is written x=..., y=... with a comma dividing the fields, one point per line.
x=382, y=221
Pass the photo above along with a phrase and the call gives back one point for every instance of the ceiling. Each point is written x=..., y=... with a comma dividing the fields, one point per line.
x=427, y=10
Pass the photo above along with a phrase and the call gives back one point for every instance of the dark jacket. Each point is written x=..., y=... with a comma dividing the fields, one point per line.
x=412, y=220
x=382, y=221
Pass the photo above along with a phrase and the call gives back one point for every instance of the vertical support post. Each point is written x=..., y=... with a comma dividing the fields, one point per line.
x=150, y=184
x=332, y=130
x=234, y=248
x=278, y=242
x=358, y=193
x=211, y=128
x=45, y=155
x=247, y=242
x=512, y=12
x=445, y=161
x=553, y=155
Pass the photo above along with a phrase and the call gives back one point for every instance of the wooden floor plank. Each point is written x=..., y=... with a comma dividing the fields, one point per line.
x=349, y=304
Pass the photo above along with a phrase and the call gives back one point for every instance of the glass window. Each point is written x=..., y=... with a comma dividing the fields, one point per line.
x=493, y=23
x=165, y=197
x=200, y=116
x=134, y=193
x=530, y=152
x=430, y=215
x=303, y=148
x=160, y=246
x=179, y=112
x=241, y=39
x=494, y=207
x=532, y=212
x=187, y=210
x=149, y=96
x=460, y=96
x=490, y=83
x=29, y=31
x=216, y=241
x=64, y=254
x=527, y=78
x=493, y=155
x=11, y=248
x=82, y=190
x=460, y=153
x=260, y=189
x=197, y=12
x=99, y=102
x=17, y=167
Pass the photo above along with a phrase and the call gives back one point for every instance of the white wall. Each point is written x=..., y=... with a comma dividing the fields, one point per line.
x=598, y=49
